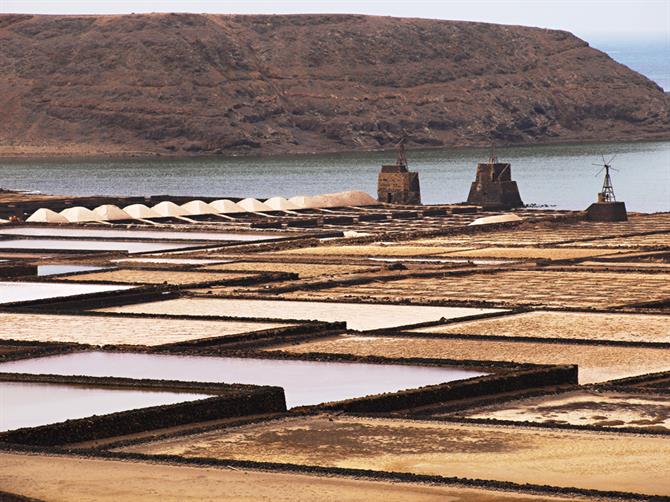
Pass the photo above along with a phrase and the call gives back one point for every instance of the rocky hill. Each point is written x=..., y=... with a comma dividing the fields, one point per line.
x=202, y=84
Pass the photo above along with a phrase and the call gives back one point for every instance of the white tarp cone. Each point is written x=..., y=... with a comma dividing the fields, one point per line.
x=44, y=215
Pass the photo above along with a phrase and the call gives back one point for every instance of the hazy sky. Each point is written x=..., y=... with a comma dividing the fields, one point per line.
x=585, y=18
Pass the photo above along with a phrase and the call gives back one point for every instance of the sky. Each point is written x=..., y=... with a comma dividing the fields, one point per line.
x=588, y=19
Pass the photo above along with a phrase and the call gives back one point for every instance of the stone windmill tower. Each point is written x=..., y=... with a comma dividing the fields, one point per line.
x=493, y=186
x=396, y=184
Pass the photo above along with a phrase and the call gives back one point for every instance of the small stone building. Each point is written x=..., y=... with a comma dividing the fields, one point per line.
x=493, y=186
x=396, y=184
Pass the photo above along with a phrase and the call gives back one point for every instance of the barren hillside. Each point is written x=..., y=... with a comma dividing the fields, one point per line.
x=194, y=84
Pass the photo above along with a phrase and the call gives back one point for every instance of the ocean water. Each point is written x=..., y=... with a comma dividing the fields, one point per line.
x=560, y=176
x=651, y=57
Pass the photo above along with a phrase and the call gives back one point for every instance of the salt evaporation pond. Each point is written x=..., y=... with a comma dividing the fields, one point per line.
x=32, y=404
x=27, y=291
x=173, y=261
x=135, y=234
x=304, y=382
x=43, y=270
x=359, y=316
x=84, y=245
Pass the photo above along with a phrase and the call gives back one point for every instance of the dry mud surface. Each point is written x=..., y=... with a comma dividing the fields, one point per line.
x=637, y=241
x=604, y=461
x=66, y=479
x=357, y=316
x=531, y=253
x=533, y=234
x=596, y=363
x=627, y=264
x=136, y=276
x=374, y=250
x=100, y=330
x=579, y=289
x=304, y=270
x=568, y=325
x=403, y=250
x=605, y=409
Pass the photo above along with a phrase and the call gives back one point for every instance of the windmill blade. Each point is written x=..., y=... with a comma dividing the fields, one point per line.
x=613, y=157
x=603, y=157
x=601, y=165
x=598, y=172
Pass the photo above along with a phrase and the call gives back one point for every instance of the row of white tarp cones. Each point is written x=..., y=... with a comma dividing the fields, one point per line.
x=110, y=212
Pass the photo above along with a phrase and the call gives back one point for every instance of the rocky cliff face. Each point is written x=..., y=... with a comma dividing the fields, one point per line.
x=193, y=84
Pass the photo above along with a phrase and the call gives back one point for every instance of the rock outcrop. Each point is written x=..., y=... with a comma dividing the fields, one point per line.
x=212, y=84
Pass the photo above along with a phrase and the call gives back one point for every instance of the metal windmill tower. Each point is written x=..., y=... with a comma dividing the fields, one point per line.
x=607, y=192
x=607, y=208
x=401, y=160
x=493, y=155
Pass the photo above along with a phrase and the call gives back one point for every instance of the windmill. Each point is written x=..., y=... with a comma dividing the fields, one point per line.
x=493, y=187
x=493, y=155
x=607, y=208
x=401, y=160
x=607, y=192
x=396, y=184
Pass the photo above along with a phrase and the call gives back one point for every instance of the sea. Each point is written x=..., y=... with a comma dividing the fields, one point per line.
x=556, y=176
x=648, y=56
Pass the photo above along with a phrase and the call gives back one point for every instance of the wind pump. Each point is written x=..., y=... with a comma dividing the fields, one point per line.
x=607, y=208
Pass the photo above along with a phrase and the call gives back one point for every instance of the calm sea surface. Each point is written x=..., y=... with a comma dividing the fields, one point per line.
x=650, y=57
x=559, y=176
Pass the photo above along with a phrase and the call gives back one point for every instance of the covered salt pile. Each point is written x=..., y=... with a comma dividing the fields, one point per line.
x=79, y=214
x=354, y=198
x=198, y=208
x=225, y=206
x=498, y=218
x=281, y=204
x=140, y=211
x=339, y=199
x=254, y=206
x=169, y=209
x=44, y=215
x=303, y=201
x=110, y=212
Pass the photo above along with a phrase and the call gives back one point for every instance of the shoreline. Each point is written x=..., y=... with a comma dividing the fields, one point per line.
x=178, y=156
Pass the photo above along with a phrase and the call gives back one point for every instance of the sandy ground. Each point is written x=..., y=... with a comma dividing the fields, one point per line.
x=450, y=251
x=66, y=479
x=607, y=409
x=134, y=276
x=596, y=363
x=532, y=253
x=304, y=270
x=534, y=234
x=118, y=330
x=543, y=288
x=626, y=264
x=373, y=250
x=653, y=240
x=576, y=325
x=601, y=461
